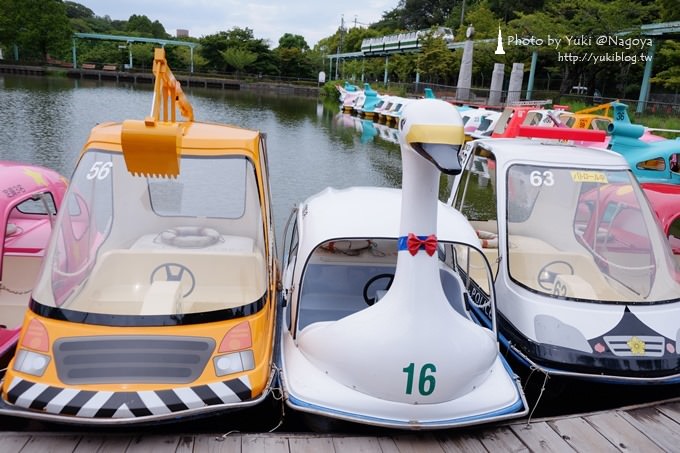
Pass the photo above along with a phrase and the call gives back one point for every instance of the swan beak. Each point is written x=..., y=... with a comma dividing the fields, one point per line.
x=439, y=144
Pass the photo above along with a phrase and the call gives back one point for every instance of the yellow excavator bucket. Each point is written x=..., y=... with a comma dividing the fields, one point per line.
x=152, y=147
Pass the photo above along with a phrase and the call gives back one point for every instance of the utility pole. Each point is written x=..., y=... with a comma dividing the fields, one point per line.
x=342, y=31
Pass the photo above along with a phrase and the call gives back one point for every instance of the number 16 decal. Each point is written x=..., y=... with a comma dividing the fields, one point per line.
x=426, y=380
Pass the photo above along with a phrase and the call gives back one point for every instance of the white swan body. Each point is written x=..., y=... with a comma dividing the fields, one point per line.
x=413, y=328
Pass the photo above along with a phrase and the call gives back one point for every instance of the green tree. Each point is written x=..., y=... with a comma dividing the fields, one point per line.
x=482, y=19
x=669, y=77
x=573, y=19
x=37, y=27
x=212, y=47
x=293, y=62
x=669, y=11
x=290, y=41
x=423, y=14
x=403, y=66
x=238, y=59
x=142, y=26
x=510, y=9
x=77, y=11
x=435, y=60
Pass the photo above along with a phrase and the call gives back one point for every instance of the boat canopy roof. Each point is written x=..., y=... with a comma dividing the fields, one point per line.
x=369, y=212
x=197, y=139
x=532, y=151
x=32, y=179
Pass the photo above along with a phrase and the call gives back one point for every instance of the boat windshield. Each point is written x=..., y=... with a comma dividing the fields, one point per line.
x=589, y=235
x=133, y=246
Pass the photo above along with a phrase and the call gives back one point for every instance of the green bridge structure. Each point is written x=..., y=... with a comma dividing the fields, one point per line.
x=129, y=40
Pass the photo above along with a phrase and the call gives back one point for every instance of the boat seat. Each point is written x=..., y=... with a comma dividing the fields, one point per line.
x=530, y=255
x=575, y=286
x=122, y=281
x=162, y=297
x=19, y=273
x=334, y=291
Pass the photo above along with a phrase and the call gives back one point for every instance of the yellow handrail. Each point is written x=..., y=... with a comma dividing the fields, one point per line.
x=606, y=107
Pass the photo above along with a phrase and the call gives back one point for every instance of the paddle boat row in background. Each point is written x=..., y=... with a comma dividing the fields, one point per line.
x=368, y=104
x=30, y=197
x=651, y=157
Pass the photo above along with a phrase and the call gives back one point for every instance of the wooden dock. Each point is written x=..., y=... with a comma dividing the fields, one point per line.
x=644, y=428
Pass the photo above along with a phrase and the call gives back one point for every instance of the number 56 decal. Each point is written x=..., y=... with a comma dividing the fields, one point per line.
x=99, y=170
x=426, y=379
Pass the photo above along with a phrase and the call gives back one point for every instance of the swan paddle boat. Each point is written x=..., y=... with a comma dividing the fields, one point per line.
x=585, y=281
x=30, y=196
x=376, y=324
x=157, y=295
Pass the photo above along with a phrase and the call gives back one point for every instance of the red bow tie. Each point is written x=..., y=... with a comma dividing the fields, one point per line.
x=415, y=243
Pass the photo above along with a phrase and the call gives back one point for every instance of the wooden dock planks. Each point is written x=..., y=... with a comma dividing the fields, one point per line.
x=644, y=428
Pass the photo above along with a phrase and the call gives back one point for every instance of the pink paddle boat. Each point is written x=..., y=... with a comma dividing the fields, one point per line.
x=29, y=198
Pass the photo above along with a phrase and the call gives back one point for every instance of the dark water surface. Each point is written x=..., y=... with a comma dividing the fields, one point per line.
x=47, y=120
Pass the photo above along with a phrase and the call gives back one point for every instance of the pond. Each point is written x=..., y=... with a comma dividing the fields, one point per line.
x=46, y=121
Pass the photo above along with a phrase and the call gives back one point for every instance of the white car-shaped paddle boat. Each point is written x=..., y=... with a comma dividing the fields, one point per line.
x=586, y=284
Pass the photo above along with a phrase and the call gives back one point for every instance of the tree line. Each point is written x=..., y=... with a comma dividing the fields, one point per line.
x=37, y=31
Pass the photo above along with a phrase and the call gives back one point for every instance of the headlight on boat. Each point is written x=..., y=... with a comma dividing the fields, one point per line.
x=30, y=362
x=553, y=331
x=234, y=362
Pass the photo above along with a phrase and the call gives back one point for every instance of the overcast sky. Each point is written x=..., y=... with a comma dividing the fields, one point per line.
x=269, y=19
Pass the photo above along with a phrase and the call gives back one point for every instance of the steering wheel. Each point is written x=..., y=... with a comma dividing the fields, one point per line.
x=371, y=300
x=548, y=273
x=174, y=272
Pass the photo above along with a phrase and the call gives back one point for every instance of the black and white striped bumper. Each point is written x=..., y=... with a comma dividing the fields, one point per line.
x=84, y=406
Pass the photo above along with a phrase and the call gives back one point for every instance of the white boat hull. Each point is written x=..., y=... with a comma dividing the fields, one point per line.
x=308, y=389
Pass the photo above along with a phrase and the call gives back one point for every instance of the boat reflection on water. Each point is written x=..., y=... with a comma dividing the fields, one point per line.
x=368, y=129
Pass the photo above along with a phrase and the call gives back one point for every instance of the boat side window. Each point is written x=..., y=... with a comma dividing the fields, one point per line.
x=568, y=120
x=503, y=121
x=475, y=198
x=35, y=208
x=524, y=184
x=656, y=164
x=599, y=124
x=674, y=236
x=674, y=162
x=42, y=204
x=476, y=193
x=294, y=242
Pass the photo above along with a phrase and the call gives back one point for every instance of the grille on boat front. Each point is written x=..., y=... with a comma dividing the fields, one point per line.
x=131, y=359
x=620, y=345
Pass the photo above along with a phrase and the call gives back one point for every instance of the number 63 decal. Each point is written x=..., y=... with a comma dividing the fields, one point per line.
x=545, y=178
